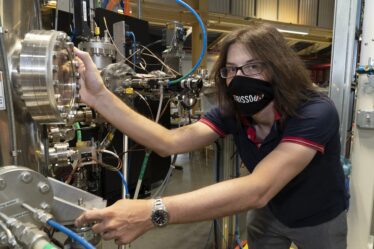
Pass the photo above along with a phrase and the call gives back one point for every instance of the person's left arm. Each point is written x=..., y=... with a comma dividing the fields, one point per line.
x=128, y=219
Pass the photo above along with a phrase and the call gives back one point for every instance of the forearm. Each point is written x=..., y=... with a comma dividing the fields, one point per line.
x=141, y=129
x=216, y=201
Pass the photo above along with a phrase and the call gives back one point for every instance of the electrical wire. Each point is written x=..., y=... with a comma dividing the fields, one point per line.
x=146, y=102
x=204, y=42
x=165, y=182
x=115, y=169
x=118, y=50
x=130, y=33
x=153, y=55
x=110, y=167
x=75, y=165
x=162, y=63
x=70, y=233
x=166, y=107
x=148, y=152
x=77, y=128
x=124, y=183
x=160, y=103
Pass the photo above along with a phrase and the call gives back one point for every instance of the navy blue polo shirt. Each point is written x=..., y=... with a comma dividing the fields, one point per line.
x=315, y=195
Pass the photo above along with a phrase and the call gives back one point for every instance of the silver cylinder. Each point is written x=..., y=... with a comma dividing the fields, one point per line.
x=101, y=50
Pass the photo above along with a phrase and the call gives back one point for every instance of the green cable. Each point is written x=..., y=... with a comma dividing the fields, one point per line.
x=79, y=132
x=144, y=165
x=141, y=174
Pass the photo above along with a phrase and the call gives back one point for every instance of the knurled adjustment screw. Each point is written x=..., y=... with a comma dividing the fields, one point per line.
x=26, y=177
x=43, y=187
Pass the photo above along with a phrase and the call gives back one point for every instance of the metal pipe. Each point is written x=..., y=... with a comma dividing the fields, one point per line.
x=8, y=98
x=125, y=163
x=139, y=9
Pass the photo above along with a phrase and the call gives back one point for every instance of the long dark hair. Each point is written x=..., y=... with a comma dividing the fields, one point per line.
x=287, y=72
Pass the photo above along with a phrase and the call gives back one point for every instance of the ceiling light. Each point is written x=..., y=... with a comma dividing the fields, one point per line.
x=293, y=31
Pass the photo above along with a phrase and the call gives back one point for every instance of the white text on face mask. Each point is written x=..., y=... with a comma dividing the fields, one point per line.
x=247, y=98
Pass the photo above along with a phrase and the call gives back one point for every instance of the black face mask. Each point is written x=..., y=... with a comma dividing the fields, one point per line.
x=250, y=95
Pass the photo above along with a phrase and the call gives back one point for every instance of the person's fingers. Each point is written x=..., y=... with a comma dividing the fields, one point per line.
x=108, y=235
x=89, y=216
x=98, y=228
x=85, y=58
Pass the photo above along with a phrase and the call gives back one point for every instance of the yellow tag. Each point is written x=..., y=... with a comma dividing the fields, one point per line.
x=97, y=31
x=129, y=90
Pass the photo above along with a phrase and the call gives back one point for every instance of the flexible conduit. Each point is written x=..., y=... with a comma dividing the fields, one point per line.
x=70, y=233
x=204, y=42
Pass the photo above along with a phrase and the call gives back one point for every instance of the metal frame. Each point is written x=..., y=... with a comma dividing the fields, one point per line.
x=343, y=64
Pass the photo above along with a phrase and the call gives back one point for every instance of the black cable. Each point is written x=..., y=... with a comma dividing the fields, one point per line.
x=215, y=222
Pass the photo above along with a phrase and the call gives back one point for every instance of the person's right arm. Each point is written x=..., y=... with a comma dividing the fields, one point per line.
x=144, y=131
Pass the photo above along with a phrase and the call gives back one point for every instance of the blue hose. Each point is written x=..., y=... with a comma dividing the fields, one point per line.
x=124, y=182
x=204, y=42
x=130, y=33
x=70, y=233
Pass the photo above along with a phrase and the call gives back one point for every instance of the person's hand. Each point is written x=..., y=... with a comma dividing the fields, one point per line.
x=124, y=221
x=91, y=83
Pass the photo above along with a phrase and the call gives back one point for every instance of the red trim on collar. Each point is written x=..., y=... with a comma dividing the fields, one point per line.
x=251, y=134
x=277, y=115
x=251, y=131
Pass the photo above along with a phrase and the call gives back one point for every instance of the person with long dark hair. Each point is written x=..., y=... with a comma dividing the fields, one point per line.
x=287, y=135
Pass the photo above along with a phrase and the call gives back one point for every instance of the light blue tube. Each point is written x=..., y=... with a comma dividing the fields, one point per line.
x=204, y=42
x=124, y=182
x=70, y=233
x=130, y=33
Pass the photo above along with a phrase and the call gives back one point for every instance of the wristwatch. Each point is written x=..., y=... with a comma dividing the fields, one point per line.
x=160, y=215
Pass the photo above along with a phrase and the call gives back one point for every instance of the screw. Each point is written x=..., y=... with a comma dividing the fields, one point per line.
x=55, y=68
x=43, y=187
x=80, y=202
x=45, y=206
x=26, y=177
x=61, y=36
x=2, y=184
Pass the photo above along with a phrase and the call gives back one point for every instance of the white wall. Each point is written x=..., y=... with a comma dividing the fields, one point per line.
x=362, y=178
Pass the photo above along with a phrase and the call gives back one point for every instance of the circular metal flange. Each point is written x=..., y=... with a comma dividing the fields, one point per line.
x=48, y=76
x=23, y=185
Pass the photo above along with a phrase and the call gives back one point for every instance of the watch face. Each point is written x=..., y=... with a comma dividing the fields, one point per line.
x=160, y=218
